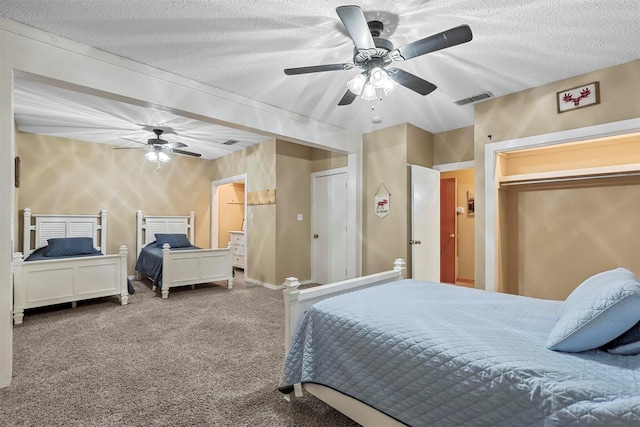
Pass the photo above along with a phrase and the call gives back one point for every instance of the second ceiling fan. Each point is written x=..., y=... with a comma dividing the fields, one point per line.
x=158, y=149
x=374, y=55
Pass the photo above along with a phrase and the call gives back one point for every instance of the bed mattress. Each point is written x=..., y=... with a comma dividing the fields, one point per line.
x=430, y=354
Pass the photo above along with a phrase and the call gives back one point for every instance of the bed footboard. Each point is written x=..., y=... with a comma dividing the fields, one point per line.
x=56, y=281
x=297, y=301
x=189, y=267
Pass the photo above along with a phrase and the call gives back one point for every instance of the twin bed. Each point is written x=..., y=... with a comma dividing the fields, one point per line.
x=64, y=260
x=59, y=269
x=389, y=351
x=182, y=265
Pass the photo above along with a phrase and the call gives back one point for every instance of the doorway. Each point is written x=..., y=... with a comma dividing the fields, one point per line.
x=448, y=247
x=229, y=214
x=463, y=212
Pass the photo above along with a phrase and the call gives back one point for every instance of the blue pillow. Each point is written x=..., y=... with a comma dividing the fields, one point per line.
x=627, y=343
x=69, y=246
x=174, y=240
x=599, y=310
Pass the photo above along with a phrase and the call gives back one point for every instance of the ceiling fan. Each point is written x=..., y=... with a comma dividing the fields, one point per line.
x=374, y=55
x=158, y=149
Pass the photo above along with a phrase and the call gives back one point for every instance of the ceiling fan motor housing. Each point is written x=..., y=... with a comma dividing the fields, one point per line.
x=381, y=53
x=157, y=140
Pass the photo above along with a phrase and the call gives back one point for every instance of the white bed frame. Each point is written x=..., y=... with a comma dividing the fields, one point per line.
x=56, y=281
x=184, y=267
x=297, y=302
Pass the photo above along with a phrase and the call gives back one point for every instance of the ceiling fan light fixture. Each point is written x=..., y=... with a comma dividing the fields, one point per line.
x=163, y=157
x=369, y=93
x=389, y=85
x=157, y=156
x=357, y=83
x=378, y=77
x=152, y=156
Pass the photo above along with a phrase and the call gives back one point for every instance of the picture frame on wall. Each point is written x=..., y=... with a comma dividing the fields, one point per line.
x=16, y=172
x=578, y=97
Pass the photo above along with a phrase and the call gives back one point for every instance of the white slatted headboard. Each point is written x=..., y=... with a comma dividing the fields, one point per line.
x=49, y=226
x=149, y=225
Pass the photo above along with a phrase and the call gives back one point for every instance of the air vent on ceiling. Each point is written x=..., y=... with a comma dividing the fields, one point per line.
x=230, y=142
x=475, y=98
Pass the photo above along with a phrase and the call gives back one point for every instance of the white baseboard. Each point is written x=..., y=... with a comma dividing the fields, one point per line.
x=269, y=285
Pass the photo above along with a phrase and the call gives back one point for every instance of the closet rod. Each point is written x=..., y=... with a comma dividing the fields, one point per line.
x=572, y=178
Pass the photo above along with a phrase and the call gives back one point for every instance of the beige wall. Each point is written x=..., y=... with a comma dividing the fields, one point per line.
x=453, y=146
x=558, y=236
x=293, y=237
x=384, y=162
x=323, y=160
x=534, y=112
x=386, y=154
x=465, y=222
x=74, y=177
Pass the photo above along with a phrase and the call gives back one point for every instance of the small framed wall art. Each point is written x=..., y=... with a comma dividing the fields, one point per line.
x=16, y=172
x=578, y=97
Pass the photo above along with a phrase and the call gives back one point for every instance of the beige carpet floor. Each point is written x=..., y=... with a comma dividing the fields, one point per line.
x=208, y=356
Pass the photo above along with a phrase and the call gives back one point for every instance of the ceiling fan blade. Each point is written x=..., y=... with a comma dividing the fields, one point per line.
x=356, y=24
x=412, y=81
x=317, y=69
x=347, y=98
x=132, y=140
x=173, y=145
x=186, y=153
x=451, y=37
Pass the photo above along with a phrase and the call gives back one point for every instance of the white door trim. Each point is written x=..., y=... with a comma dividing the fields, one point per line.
x=491, y=152
x=214, y=212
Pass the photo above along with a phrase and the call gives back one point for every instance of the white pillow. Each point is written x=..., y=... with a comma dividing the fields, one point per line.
x=598, y=311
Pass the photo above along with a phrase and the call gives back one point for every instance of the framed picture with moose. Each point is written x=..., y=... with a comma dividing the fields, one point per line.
x=578, y=97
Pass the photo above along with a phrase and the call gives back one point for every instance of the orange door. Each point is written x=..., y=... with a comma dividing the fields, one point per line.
x=448, y=230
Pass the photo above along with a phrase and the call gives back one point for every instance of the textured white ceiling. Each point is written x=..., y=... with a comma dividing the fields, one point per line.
x=243, y=46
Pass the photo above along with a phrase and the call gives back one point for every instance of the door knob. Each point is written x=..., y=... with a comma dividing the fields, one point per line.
x=315, y=236
x=415, y=242
x=452, y=235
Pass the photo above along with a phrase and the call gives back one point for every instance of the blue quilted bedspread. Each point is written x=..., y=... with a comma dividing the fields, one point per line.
x=429, y=354
x=150, y=262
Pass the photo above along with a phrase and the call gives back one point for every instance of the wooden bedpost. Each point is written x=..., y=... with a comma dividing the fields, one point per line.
x=192, y=220
x=18, y=291
x=230, y=262
x=26, y=242
x=124, y=292
x=291, y=294
x=138, y=233
x=103, y=231
x=401, y=266
x=166, y=270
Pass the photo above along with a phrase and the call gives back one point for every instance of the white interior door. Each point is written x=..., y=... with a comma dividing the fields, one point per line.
x=329, y=227
x=425, y=223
